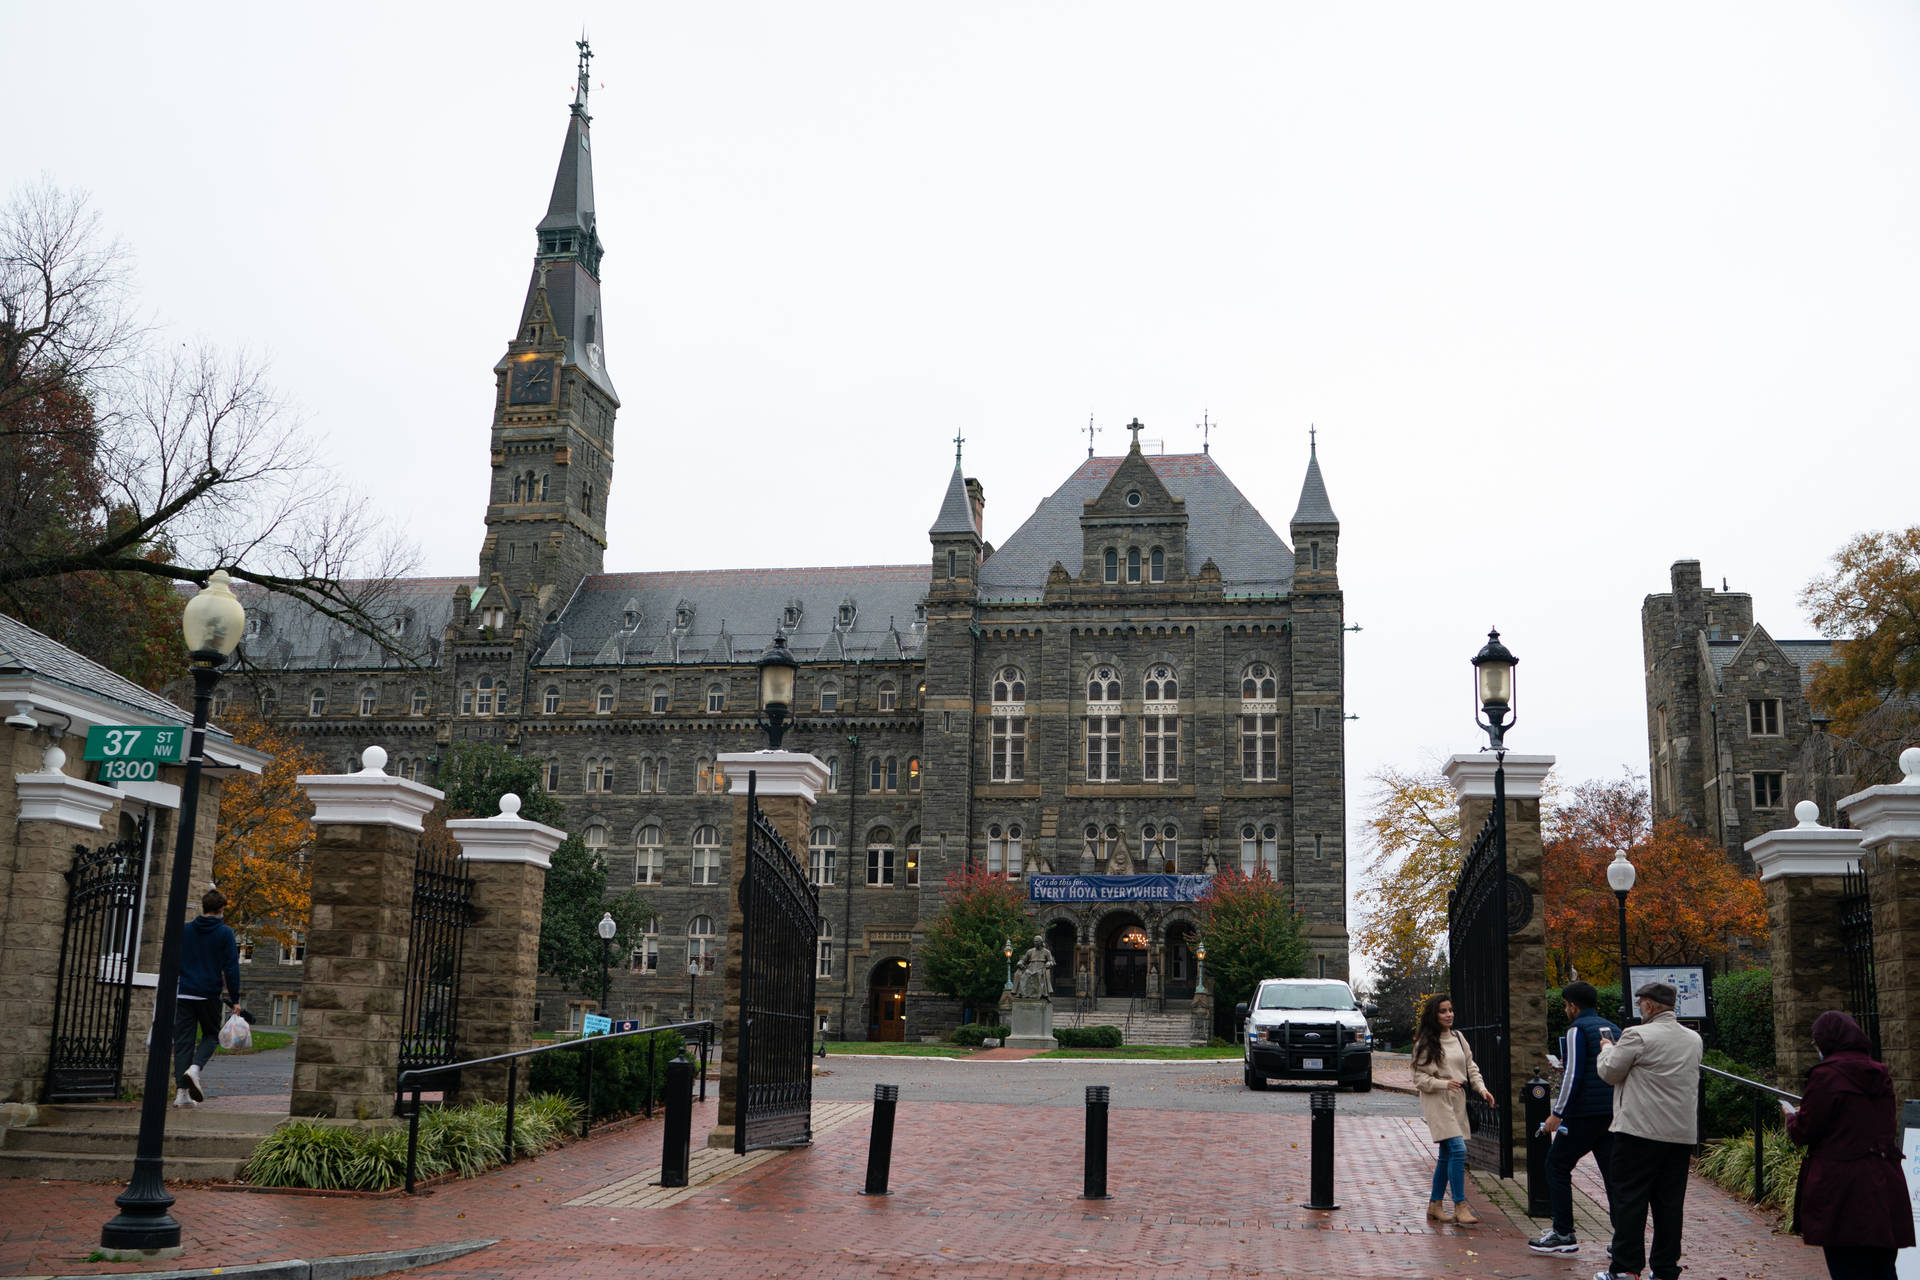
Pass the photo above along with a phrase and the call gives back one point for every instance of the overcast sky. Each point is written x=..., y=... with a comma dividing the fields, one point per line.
x=1570, y=291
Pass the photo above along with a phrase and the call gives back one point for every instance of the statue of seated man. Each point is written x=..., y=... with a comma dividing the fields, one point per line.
x=1033, y=979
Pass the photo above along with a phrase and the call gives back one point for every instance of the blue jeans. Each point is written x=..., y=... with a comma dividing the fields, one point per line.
x=1451, y=1167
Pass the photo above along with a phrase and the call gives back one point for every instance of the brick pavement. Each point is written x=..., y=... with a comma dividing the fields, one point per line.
x=979, y=1190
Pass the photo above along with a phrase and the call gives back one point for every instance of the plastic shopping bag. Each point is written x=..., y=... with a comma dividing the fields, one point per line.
x=236, y=1034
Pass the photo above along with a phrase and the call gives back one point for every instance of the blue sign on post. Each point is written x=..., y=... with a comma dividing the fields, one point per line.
x=594, y=1024
x=627, y=1024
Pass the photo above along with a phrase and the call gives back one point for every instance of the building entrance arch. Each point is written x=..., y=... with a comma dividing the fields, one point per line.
x=1125, y=960
x=887, y=1000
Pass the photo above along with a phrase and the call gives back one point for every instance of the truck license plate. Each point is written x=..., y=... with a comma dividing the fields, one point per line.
x=1312, y=1064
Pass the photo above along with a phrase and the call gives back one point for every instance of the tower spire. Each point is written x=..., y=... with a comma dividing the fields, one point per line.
x=580, y=87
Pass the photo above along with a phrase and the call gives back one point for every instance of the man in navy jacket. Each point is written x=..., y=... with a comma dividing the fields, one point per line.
x=1582, y=1112
x=209, y=961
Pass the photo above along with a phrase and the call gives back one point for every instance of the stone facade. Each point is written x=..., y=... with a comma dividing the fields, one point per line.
x=1179, y=667
x=1728, y=724
x=1800, y=870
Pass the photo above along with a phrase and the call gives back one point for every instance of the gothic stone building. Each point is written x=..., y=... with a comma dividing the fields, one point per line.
x=1728, y=724
x=1143, y=677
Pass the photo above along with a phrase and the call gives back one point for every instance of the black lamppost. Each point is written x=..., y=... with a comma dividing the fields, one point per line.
x=1621, y=875
x=213, y=623
x=776, y=688
x=606, y=929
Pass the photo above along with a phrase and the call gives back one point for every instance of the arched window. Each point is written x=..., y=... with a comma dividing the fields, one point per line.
x=595, y=838
x=603, y=700
x=893, y=773
x=1160, y=726
x=820, y=855
x=317, y=702
x=706, y=855
x=269, y=702
x=823, y=956
x=1102, y=841
x=876, y=774
x=1259, y=724
x=369, y=700
x=913, y=773
x=1259, y=849
x=600, y=773
x=703, y=776
x=1110, y=565
x=701, y=950
x=1103, y=722
x=889, y=695
x=659, y=699
x=880, y=858
x=1159, y=847
x=716, y=697
x=1133, y=564
x=1008, y=730
x=1003, y=851
x=484, y=700
x=829, y=696
x=551, y=777
x=419, y=702
x=550, y=700
x=646, y=954
x=519, y=488
x=646, y=775
x=833, y=773
x=543, y=488
x=1157, y=565
x=649, y=863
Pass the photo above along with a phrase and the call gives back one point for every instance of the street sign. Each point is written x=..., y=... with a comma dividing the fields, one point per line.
x=626, y=1024
x=595, y=1024
x=161, y=744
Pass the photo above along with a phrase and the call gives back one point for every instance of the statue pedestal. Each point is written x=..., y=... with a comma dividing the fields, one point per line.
x=1032, y=1025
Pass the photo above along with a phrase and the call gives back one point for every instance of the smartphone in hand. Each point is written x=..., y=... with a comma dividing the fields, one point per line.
x=1553, y=1060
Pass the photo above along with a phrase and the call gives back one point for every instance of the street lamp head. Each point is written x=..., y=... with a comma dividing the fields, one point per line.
x=1493, y=687
x=1007, y=948
x=1201, y=951
x=777, y=667
x=607, y=928
x=1620, y=872
x=693, y=967
x=214, y=620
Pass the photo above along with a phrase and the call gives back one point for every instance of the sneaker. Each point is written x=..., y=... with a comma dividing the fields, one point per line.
x=182, y=1101
x=192, y=1078
x=1616, y=1275
x=1554, y=1242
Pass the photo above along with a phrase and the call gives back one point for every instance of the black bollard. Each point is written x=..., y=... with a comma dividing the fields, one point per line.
x=1539, y=1106
x=1096, y=1172
x=677, y=1137
x=1320, y=1188
x=886, y=1097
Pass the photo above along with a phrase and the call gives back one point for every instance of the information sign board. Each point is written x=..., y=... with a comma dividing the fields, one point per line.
x=1690, y=980
x=595, y=1024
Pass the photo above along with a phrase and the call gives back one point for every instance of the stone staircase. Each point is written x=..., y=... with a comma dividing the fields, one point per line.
x=1149, y=1025
x=95, y=1143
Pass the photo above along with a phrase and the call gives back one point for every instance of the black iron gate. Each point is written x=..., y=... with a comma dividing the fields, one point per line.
x=780, y=926
x=1854, y=913
x=442, y=910
x=1477, y=954
x=94, y=991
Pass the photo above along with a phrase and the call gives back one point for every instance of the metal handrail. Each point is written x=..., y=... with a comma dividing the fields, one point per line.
x=1760, y=1092
x=410, y=1081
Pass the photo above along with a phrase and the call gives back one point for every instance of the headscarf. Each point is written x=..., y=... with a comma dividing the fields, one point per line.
x=1847, y=1062
x=1836, y=1032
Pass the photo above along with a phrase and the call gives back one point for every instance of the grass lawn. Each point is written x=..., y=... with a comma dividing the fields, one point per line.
x=264, y=1040
x=896, y=1050
x=1166, y=1052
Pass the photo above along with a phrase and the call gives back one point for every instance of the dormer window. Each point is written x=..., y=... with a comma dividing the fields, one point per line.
x=630, y=619
x=790, y=616
x=683, y=617
x=846, y=614
x=253, y=625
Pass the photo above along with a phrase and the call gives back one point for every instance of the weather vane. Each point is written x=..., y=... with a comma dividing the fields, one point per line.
x=958, y=440
x=1205, y=427
x=1091, y=429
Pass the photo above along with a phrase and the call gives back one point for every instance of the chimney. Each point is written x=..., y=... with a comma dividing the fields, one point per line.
x=977, y=498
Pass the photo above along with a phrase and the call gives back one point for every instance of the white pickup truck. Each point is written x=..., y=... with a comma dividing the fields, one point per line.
x=1306, y=1029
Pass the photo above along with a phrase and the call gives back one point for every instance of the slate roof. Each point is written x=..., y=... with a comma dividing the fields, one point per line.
x=956, y=509
x=25, y=651
x=292, y=636
x=734, y=612
x=1221, y=525
x=1314, y=507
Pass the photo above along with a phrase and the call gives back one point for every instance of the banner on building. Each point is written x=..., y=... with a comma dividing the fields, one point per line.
x=1160, y=888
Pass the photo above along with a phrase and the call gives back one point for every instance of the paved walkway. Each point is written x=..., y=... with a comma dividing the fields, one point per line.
x=979, y=1189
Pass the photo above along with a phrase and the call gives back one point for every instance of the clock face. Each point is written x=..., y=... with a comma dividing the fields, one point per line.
x=531, y=383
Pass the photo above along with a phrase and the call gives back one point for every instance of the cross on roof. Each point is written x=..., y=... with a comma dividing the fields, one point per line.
x=1205, y=427
x=958, y=440
x=1136, y=426
x=1091, y=429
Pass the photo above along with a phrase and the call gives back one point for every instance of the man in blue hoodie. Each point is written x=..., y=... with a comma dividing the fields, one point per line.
x=209, y=959
x=1582, y=1114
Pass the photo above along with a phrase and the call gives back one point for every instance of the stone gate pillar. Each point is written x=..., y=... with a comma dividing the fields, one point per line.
x=1471, y=777
x=507, y=857
x=366, y=841
x=53, y=812
x=1888, y=820
x=1800, y=869
x=786, y=784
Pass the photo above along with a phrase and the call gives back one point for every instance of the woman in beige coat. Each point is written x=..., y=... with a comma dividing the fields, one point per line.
x=1443, y=1071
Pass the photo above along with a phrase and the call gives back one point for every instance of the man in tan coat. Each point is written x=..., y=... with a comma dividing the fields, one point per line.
x=1655, y=1071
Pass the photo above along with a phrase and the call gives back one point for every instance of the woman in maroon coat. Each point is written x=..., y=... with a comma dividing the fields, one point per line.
x=1852, y=1197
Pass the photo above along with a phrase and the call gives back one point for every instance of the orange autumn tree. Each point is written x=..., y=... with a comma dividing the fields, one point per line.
x=1689, y=903
x=260, y=853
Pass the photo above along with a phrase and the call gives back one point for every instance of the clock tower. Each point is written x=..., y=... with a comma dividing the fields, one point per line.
x=554, y=403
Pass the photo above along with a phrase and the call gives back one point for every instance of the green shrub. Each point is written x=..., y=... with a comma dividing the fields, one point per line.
x=1088, y=1037
x=1608, y=1008
x=307, y=1153
x=1729, y=1162
x=1743, y=1015
x=468, y=1140
x=974, y=1033
x=620, y=1072
x=380, y=1161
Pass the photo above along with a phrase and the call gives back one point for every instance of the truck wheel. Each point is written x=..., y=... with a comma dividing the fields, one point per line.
x=1255, y=1082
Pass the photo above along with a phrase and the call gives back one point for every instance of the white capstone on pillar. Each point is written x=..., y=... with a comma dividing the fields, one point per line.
x=507, y=858
x=55, y=796
x=1800, y=869
x=1888, y=819
x=370, y=796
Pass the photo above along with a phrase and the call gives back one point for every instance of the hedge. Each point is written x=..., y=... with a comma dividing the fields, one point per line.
x=1088, y=1037
x=973, y=1033
x=619, y=1072
x=1743, y=1014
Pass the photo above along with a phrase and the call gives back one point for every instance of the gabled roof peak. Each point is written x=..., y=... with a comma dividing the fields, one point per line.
x=1314, y=506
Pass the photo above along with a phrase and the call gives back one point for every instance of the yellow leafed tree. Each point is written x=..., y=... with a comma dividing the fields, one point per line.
x=266, y=826
x=1412, y=862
